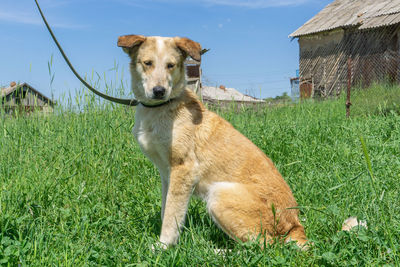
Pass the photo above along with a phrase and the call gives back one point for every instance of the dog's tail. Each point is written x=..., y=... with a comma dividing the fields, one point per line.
x=297, y=235
x=297, y=232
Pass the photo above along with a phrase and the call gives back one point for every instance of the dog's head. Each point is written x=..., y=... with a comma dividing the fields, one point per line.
x=157, y=65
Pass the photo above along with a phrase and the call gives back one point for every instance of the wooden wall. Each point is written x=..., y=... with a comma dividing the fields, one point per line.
x=375, y=56
x=25, y=100
x=25, y=97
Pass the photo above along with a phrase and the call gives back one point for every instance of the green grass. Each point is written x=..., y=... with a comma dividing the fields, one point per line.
x=379, y=99
x=76, y=190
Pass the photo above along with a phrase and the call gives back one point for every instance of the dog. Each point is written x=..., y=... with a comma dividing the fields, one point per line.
x=197, y=152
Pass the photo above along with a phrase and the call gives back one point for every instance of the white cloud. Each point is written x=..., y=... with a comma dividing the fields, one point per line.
x=28, y=18
x=256, y=3
x=25, y=12
x=233, y=3
x=18, y=17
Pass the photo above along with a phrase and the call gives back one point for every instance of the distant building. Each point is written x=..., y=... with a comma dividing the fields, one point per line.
x=193, y=75
x=295, y=87
x=24, y=98
x=223, y=96
x=349, y=41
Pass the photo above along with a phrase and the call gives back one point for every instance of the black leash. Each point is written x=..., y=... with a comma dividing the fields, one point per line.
x=128, y=102
x=157, y=105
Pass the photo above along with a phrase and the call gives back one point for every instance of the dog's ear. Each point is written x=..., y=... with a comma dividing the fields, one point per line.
x=189, y=47
x=128, y=42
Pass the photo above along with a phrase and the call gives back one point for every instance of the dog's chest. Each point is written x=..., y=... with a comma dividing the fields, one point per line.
x=154, y=136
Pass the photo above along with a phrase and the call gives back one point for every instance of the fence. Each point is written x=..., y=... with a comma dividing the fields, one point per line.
x=369, y=56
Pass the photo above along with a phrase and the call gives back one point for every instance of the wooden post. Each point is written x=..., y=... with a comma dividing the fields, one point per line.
x=348, y=103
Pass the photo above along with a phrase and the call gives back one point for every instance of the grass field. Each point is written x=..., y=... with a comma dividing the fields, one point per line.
x=76, y=190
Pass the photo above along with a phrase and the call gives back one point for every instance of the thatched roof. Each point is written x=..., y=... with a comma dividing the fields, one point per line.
x=364, y=14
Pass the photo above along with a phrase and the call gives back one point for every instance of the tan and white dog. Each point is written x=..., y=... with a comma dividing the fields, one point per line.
x=196, y=151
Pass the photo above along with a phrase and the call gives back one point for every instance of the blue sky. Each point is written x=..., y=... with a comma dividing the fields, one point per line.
x=250, y=48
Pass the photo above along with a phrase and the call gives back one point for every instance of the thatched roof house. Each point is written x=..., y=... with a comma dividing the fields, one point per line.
x=349, y=38
x=24, y=98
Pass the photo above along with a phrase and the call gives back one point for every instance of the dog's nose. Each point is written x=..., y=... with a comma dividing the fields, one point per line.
x=158, y=92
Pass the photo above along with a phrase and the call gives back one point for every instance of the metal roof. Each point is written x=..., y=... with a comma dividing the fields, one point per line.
x=7, y=90
x=227, y=94
x=366, y=14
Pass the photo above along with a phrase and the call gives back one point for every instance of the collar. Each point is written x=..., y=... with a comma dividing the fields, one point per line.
x=157, y=105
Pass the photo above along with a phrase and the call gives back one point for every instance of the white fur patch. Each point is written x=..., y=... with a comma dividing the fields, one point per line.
x=160, y=45
x=212, y=196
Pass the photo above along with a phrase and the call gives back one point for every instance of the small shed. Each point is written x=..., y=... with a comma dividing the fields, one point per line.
x=193, y=75
x=24, y=98
x=349, y=41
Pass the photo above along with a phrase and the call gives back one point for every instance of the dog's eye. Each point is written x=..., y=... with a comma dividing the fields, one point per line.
x=170, y=65
x=148, y=63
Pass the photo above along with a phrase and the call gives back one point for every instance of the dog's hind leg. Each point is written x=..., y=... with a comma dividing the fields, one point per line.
x=240, y=212
x=236, y=211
